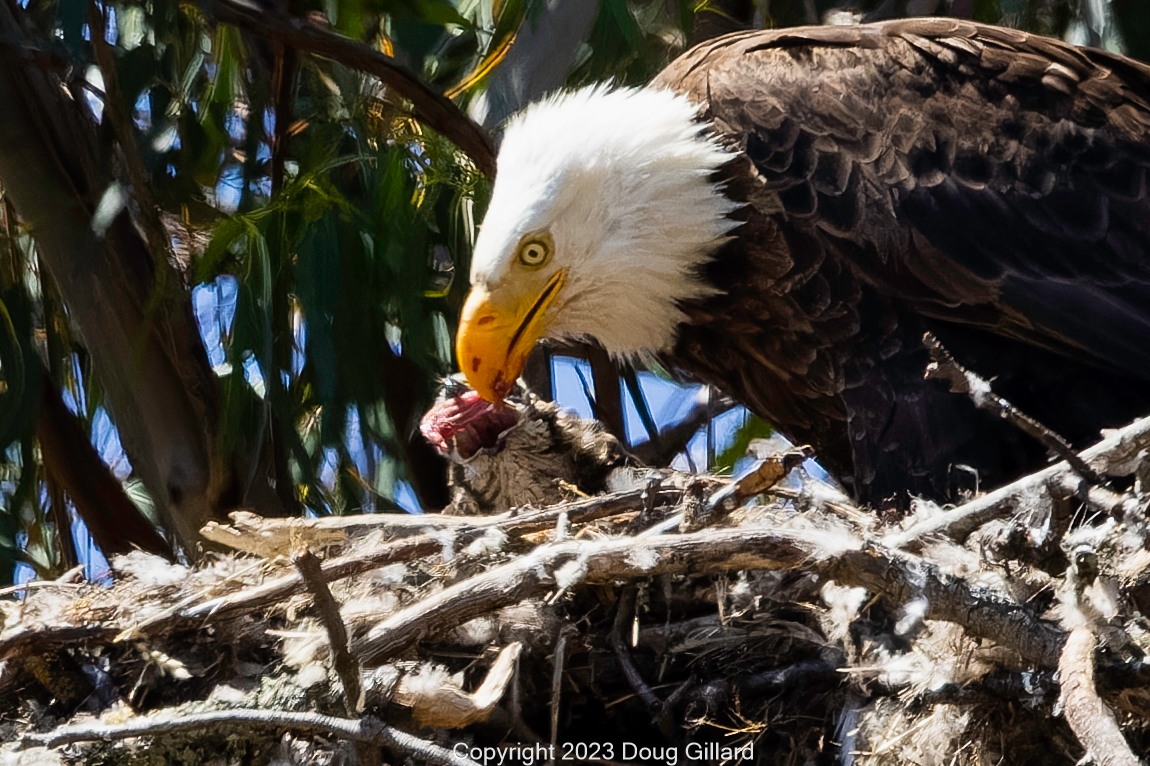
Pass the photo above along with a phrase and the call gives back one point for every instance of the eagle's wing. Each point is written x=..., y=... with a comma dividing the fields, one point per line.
x=983, y=175
x=990, y=183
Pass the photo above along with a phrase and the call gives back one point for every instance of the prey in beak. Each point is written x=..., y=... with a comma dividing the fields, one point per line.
x=497, y=331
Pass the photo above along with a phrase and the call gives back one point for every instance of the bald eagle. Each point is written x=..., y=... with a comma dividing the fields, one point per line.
x=784, y=214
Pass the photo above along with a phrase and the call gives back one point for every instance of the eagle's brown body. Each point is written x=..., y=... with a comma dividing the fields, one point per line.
x=983, y=184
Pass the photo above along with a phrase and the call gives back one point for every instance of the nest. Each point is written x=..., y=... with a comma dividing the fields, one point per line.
x=669, y=619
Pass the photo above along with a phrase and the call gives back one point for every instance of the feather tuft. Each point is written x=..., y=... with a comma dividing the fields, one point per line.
x=622, y=180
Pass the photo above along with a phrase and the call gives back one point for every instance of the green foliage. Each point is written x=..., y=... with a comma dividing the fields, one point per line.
x=338, y=268
x=753, y=427
x=631, y=41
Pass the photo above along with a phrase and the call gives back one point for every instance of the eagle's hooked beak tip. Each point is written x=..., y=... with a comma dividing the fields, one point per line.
x=496, y=334
x=483, y=346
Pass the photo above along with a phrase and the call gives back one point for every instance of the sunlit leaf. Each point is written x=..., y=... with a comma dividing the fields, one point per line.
x=753, y=428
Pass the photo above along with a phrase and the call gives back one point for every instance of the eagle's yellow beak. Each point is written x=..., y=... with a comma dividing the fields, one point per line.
x=496, y=333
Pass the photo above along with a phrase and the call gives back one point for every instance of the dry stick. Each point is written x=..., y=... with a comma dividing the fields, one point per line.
x=982, y=612
x=862, y=520
x=963, y=381
x=343, y=662
x=760, y=478
x=270, y=537
x=1115, y=455
x=1088, y=716
x=559, y=663
x=624, y=610
x=409, y=549
x=273, y=591
x=1026, y=686
x=1115, y=504
x=430, y=107
x=897, y=577
x=31, y=640
x=366, y=729
x=16, y=640
x=674, y=438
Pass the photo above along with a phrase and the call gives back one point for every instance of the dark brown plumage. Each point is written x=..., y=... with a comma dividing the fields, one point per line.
x=926, y=175
x=983, y=184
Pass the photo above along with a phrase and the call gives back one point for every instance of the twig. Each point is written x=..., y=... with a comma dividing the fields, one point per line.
x=448, y=706
x=430, y=107
x=22, y=638
x=673, y=439
x=73, y=578
x=1118, y=505
x=1115, y=455
x=1028, y=686
x=808, y=676
x=343, y=662
x=272, y=537
x=762, y=476
x=366, y=729
x=1089, y=717
x=812, y=675
x=624, y=612
x=578, y=511
x=862, y=520
x=276, y=590
x=38, y=584
x=558, y=665
x=650, y=500
x=895, y=577
x=963, y=381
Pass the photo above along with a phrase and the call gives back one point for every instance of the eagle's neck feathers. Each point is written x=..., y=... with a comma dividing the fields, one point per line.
x=624, y=182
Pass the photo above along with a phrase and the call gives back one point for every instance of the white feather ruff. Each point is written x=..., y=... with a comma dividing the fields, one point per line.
x=621, y=179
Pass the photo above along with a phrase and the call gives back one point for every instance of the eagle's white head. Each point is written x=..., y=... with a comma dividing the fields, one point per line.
x=603, y=208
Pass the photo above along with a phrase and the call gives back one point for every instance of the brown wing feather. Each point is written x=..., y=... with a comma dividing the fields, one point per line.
x=979, y=182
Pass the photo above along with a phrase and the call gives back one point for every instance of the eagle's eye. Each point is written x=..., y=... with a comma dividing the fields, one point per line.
x=534, y=252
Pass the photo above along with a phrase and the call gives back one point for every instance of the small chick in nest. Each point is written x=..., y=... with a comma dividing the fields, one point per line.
x=522, y=452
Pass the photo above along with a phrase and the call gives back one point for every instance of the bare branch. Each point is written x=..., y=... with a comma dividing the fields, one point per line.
x=896, y=577
x=1115, y=455
x=308, y=565
x=963, y=381
x=673, y=439
x=624, y=612
x=1092, y=721
x=559, y=664
x=366, y=729
x=409, y=549
x=430, y=107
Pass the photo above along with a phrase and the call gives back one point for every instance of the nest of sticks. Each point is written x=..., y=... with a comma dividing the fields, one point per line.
x=669, y=619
